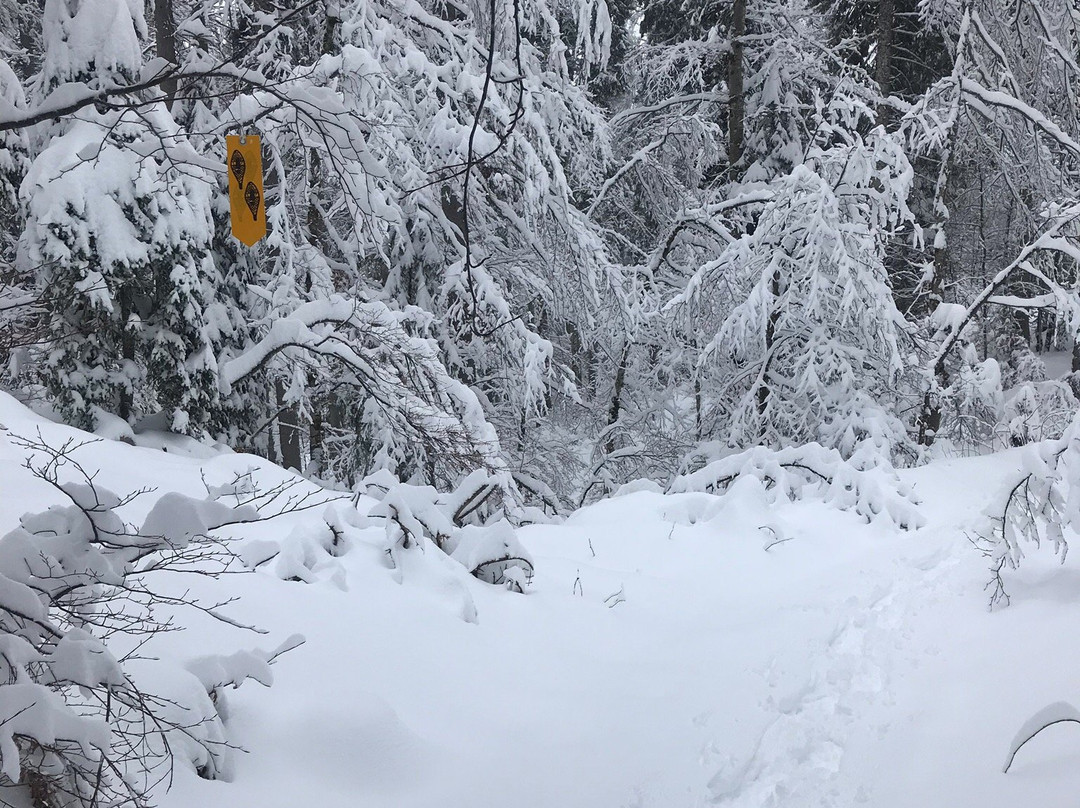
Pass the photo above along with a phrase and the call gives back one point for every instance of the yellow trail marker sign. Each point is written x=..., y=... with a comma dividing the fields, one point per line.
x=247, y=207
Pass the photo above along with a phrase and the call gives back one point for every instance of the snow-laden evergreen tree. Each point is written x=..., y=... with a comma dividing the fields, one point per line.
x=118, y=234
x=18, y=313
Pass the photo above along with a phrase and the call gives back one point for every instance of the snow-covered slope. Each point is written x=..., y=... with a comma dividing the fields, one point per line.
x=672, y=651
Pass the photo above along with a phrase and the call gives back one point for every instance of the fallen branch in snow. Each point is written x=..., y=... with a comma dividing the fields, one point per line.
x=217, y=672
x=776, y=537
x=615, y=598
x=1059, y=713
x=1038, y=506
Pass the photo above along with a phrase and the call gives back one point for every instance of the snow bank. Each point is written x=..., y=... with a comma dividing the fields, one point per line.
x=678, y=649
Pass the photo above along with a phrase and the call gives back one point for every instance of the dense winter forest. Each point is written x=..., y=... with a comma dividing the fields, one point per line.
x=523, y=257
x=575, y=242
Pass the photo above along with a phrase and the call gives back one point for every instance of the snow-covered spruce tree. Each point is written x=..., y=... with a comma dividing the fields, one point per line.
x=118, y=235
x=18, y=315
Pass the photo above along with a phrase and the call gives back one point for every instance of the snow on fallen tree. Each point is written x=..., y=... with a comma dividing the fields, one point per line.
x=811, y=471
x=1060, y=712
x=469, y=524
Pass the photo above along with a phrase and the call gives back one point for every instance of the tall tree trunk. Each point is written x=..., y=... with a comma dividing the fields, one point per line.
x=315, y=441
x=127, y=352
x=165, y=33
x=319, y=235
x=929, y=418
x=883, y=60
x=735, y=82
x=616, y=396
x=333, y=23
x=930, y=415
x=271, y=441
x=697, y=407
x=289, y=431
x=764, y=390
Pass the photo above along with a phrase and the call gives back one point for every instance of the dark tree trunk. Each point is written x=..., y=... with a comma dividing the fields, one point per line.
x=697, y=408
x=289, y=431
x=616, y=396
x=42, y=792
x=735, y=82
x=127, y=352
x=165, y=33
x=883, y=60
x=315, y=440
x=764, y=390
x=333, y=24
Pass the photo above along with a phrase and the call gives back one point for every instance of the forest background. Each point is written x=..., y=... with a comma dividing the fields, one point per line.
x=573, y=242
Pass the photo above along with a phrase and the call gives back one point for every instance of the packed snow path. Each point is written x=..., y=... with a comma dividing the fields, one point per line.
x=672, y=651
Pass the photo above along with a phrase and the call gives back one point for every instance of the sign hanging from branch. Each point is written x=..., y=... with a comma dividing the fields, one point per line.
x=247, y=205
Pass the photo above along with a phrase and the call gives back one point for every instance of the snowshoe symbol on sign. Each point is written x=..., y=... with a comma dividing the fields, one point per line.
x=246, y=197
x=238, y=166
x=253, y=198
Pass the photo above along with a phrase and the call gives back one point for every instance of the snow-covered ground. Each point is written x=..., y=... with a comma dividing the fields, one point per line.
x=672, y=651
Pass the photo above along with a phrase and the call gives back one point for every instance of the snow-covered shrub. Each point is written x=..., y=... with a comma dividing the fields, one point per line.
x=76, y=727
x=493, y=554
x=469, y=524
x=973, y=402
x=307, y=554
x=216, y=673
x=1037, y=411
x=1021, y=363
x=870, y=489
x=857, y=426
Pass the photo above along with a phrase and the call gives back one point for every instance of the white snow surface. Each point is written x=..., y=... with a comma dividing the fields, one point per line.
x=671, y=651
